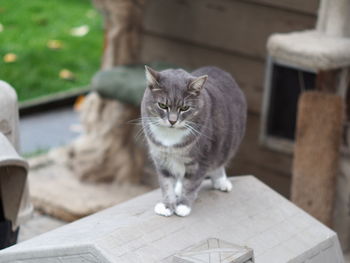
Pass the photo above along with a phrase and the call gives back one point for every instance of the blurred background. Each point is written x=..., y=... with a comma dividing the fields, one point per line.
x=53, y=46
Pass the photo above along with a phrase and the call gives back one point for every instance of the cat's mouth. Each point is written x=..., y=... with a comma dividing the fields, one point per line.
x=176, y=126
x=171, y=126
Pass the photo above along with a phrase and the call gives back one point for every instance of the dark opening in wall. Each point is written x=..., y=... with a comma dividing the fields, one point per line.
x=286, y=85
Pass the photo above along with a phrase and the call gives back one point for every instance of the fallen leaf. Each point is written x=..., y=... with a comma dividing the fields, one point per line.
x=66, y=74
x=1, y=28
x=42, y=21
x=80, y=31
x=54, y=44
x=79, y=102
x=10, y=57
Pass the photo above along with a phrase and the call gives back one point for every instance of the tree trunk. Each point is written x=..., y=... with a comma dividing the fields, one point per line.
x=107, y=151
x=123, y=23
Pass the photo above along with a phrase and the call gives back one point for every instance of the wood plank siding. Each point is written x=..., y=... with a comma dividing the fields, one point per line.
x=230, y=34
x=302, y=6
x=232, y=26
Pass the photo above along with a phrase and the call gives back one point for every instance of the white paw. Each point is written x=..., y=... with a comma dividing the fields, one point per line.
x=160, y=209
x=183, y=210
x=223, y=184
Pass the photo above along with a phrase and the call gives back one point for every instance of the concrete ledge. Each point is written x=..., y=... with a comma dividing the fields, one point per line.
x=251, y=215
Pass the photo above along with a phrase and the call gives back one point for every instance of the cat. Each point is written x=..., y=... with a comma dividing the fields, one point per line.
x=194, y=124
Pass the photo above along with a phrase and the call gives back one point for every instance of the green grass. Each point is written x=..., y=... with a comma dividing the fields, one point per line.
x=28, y=25
x=35, y=153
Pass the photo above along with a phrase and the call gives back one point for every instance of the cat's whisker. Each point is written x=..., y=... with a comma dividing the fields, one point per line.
x=139, y=120
x=147, y=121
x=195, y=130
x=190, y=100
x=142, y=118
x=139, y=135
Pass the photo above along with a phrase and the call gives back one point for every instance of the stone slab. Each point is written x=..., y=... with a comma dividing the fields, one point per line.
x=251, y=215
x=38, y=224
x=56, y=191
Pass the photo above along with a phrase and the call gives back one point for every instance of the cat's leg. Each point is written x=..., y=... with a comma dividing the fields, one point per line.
x=167, y=185
x=178, y=188
x=219, y=180
x=190, y=187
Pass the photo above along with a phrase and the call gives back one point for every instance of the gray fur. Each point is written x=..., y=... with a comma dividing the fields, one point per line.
x=217, y=118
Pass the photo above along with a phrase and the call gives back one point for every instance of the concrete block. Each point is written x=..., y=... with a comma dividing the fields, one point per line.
x=252, y=215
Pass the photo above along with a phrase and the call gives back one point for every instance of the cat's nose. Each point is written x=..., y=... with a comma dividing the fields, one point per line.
x=172, y=118
x=172, y=122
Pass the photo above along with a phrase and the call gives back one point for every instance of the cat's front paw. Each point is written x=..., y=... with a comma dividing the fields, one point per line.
x=182, y=210
x=222, y=184
x=161, y=209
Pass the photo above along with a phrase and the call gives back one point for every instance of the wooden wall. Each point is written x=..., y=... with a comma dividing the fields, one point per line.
x=230, y=34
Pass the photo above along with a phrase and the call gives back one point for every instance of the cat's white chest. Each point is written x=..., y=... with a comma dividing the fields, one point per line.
x=171, y=158
x=168, y=136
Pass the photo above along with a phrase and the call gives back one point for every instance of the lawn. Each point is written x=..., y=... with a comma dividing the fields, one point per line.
x=49, y=46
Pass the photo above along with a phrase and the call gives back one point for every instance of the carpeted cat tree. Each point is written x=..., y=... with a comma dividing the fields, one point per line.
x=320, y=121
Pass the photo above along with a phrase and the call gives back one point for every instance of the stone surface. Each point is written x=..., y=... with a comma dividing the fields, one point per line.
x=56, y=191
x=251, y=215
x=38, y=224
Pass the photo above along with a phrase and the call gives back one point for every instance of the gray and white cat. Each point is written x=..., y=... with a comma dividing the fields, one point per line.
x=194, y=123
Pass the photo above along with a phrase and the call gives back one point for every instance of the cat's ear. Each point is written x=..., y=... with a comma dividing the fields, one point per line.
x=152, y=77
x=197, y=84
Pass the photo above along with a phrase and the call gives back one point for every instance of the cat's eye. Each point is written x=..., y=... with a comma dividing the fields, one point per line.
x=162, y=106
x=184, y=108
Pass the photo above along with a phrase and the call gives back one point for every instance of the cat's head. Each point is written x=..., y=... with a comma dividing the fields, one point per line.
x=173, y=97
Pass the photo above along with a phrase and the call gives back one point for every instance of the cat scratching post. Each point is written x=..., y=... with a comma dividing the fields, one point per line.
x=107, y=150
x=324, y=51
x=316, y=153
